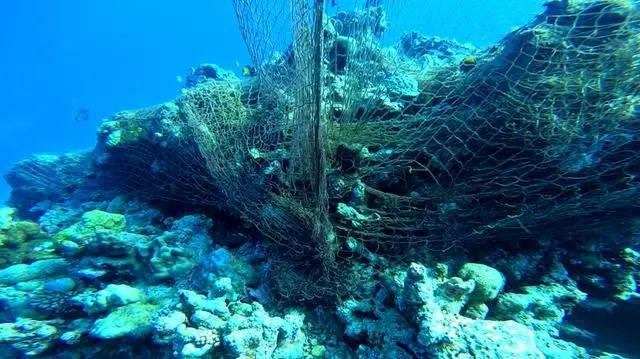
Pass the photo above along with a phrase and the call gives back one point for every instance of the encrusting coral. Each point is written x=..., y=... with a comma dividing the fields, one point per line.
x=193, y=230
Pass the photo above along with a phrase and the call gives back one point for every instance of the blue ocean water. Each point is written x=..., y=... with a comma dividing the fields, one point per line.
x=62, y=56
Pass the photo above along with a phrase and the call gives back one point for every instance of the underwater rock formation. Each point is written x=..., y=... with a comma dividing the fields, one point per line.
x=28, y=336
x=470, y=196
x=21, y=241
x=195, y=326
x=489, y=281
x=433, y=307
x=129, y=321
x=48, y=177
x=434, y=52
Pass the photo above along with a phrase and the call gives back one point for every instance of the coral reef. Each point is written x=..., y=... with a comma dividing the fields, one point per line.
x=196, y=326
x=129, y=321
x=28, y=336
x=434, y=52
x=478, y=204
x=21, y=241
x=432, y=307
x=47, y=177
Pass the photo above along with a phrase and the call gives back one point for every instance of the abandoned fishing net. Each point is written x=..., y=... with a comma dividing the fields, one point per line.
x=344, y=146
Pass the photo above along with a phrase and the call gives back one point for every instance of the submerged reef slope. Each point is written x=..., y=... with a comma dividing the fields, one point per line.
x=351, y=200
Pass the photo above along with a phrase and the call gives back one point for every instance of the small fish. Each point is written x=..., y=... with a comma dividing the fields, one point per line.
x=470, y=60
x=82, y=115
x=468, y=63
x=249, y=71
x=179, y=78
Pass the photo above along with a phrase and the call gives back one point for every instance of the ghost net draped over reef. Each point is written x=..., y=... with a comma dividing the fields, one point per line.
x=269, y=157
x=340, y=147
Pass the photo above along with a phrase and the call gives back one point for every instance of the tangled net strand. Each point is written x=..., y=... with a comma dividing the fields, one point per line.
x=324, y=156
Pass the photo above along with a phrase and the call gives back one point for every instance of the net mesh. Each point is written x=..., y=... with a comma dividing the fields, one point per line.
x=342, y=147
x=268, y=154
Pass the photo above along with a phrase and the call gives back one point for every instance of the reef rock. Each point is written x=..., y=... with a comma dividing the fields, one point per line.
x=26, y=272
x=92, y=223
x=253, y=333
x=28, y=337
x=197, y=325
x=131, y=321
x=60, y=285
x=489, y=281
x=195, y=342
x=431, y=305
x=209, y=72
x=23, y=242
x=6, y=217
x=155, y=244
x=434, y=52
x=114, y=295
x=47, y=177
x=491, y=339
x=222, y=266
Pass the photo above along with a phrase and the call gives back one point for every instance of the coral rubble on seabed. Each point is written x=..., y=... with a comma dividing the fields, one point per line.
x=100, y=258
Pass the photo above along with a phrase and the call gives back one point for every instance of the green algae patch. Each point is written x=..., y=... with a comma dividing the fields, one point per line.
x=22, y=241
x=92, y=222
x=22, y=231
x=104, y=220
x=124, y=129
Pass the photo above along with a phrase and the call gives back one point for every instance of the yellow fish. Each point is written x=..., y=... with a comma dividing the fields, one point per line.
x=248, y=71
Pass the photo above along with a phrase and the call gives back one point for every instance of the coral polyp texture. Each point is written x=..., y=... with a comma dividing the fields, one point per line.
x=349, y=198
